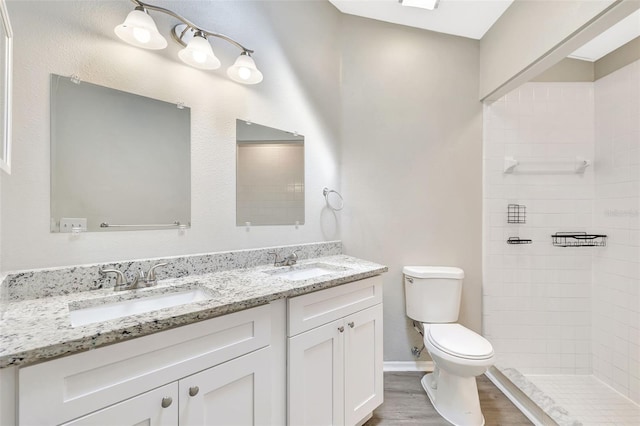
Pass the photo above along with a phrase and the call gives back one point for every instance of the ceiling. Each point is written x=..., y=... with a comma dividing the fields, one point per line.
x=621, y=33
x=466, y=18
x=473, y=18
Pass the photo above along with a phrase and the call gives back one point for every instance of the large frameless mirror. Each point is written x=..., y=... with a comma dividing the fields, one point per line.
x=6, y=70
x=119, y=161
x=269, y=176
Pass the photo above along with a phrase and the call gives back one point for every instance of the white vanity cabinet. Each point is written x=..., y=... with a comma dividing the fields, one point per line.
x=215, y=372
x=335, y=354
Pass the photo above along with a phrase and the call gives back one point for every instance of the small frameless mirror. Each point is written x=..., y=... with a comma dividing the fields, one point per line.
x=269, y=176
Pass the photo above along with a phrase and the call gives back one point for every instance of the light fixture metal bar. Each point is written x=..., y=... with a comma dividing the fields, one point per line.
x=189, y=24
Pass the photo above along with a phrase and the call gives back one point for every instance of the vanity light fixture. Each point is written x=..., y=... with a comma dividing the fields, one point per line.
x=422, y=4
x=139, y=29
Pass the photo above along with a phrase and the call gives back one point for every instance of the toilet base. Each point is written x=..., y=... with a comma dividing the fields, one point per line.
x=456, y=398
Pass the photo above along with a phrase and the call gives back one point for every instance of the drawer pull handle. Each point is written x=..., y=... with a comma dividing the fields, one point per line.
x=193, y=390
x=341, y=329
x=351, y=324
x=166, y=401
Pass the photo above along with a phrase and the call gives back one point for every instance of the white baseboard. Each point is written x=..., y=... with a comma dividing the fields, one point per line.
x=408, y=366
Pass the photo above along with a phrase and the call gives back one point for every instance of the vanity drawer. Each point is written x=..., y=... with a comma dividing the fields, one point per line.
x=315, y=309
x=67, y=388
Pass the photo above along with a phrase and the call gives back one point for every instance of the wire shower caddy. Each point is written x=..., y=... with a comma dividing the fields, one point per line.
x=578, y=239
x=516, y=213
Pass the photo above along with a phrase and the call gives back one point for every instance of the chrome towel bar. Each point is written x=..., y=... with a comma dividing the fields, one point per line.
x=163, y=225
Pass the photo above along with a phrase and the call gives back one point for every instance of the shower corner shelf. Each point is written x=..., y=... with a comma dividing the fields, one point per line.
x=578, y=239
x=518, y=240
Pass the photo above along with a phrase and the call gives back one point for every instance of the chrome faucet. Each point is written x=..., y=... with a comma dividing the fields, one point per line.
x=141, y=280
x=290, y=260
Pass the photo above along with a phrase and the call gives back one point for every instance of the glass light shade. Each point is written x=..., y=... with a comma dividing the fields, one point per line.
x=244, y=70
x=140, y=30
x=199, y=54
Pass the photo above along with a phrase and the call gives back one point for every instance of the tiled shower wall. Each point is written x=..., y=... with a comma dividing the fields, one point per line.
x=537, y=297
x=566, y=310
x=616, y=274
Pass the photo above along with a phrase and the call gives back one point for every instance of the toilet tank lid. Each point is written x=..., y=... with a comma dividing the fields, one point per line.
x=433, y=272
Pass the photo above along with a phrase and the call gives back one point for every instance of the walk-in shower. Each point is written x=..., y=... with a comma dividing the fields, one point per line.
x=562, y=285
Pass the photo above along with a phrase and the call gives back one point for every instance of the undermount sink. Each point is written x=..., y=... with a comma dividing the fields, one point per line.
x=305, y=272
x=104, y=309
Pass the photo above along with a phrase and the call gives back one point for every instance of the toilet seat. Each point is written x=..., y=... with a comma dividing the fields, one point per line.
x=458, y=341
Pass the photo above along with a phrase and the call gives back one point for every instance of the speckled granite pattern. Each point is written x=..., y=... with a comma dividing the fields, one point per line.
x=34, y=330
x=39, y=283
x=548, y=405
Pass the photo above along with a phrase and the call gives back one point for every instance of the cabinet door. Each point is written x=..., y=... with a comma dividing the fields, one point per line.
x=316, y=376
x=237, y=392
x=363, y=369
x=158, y=407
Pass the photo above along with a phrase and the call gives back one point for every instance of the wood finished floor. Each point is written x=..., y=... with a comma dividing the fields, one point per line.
x=406, y=403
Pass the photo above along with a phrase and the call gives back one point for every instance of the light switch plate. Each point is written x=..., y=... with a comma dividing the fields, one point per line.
x=68, y=223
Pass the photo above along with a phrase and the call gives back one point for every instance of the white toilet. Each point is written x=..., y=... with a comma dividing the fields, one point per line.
x=433, y=299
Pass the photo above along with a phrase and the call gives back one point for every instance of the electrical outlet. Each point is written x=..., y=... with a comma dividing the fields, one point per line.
x=67, y=224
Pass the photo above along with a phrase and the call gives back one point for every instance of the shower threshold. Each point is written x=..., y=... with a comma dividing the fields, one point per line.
x=566, y=400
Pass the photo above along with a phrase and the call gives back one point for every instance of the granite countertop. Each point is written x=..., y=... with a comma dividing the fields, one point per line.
x=40, y=329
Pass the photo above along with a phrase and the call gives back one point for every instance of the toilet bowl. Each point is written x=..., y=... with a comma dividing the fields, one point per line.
x=459, y=354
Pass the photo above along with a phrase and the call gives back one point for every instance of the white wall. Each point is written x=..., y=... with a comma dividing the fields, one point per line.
x=537, y=298
x=295, y=44
x=616, y=278
x=411, y=161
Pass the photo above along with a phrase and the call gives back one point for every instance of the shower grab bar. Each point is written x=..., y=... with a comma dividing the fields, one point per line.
x=579, y=165
x=162, y=225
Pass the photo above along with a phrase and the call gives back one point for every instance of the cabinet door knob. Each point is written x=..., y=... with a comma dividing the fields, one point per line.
x=193, y=390
x=351, y=324
x=166, y=401
x=341, y=329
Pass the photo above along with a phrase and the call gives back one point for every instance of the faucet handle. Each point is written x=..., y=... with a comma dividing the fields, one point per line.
x=275, y=260
x=151, y=275
x=291, y=259
x=120, y=278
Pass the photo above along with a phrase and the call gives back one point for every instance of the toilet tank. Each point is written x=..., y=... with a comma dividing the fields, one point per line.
x=433, y=293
